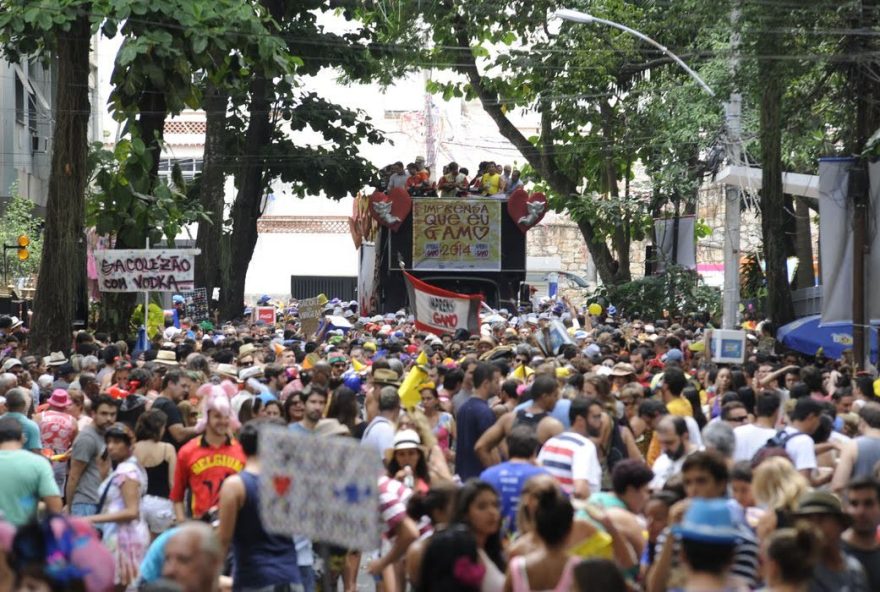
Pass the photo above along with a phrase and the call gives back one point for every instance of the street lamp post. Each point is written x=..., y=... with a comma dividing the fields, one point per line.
x=576, y=16
x=732, y=196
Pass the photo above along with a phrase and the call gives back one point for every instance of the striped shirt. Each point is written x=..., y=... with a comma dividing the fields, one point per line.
x=393, y=497
x=570, y=457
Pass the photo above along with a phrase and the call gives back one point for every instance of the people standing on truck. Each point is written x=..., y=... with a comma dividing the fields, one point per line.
x=398, y=177
x=453, y=183
x=490, y=183
x=513, y=184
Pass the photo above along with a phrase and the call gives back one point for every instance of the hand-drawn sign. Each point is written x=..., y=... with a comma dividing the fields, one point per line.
x=145, y=270
x=325, y=489
x=463, y=234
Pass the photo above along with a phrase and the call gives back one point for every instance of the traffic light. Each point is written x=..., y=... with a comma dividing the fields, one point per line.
x=23, y=244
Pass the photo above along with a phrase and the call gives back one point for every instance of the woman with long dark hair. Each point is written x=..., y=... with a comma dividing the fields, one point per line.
x=693, y=396
x=408, y=462
x=479, y=508
x=344, y=408
x=126, y=534
x=549, y=566
x=437, y=505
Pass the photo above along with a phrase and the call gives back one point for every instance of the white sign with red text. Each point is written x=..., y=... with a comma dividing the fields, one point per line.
x=440, y=311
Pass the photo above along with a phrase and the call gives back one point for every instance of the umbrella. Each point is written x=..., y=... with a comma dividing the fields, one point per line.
x=806, y=336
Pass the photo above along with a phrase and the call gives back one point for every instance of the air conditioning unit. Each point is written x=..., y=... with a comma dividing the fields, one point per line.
x=39, y=145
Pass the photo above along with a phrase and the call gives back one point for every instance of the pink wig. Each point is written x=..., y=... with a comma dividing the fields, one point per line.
x=216, y=398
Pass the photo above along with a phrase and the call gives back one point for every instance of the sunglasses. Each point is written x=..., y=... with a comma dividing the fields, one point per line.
x=339, y=366
x=739, y=418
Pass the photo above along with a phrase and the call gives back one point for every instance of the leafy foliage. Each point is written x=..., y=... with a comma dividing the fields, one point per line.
x=19, y=218
x=123, y=202
x=606, y=99
x=677, y=292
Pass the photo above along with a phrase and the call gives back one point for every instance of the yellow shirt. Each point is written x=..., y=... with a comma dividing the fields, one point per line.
x=680, y=406
x=677, y=406
x=490, y=183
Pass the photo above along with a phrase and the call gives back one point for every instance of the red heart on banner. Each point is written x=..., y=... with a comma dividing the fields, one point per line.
x=392, y=209
x=281, y=483
x=526, y=210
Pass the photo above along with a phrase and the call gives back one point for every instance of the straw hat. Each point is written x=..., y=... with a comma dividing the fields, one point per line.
x=227, y=371
x=386, y=376
x=405, y=440
x=245, y=350
x=166, y=358
x=56, y=359
x=622, y=369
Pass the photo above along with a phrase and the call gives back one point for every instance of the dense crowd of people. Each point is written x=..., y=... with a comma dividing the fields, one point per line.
x=490, y=180
x=622, y=458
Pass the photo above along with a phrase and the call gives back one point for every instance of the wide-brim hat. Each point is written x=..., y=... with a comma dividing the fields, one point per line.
x=227, y=371
x=166, y=358
x=622, y=369
x=245, y=350
x=821, y=503
x=16, y=323
x=56, y=359
x=405, y=440
x=386, y=376
x=331, y=427
x=252, y=372
x=60, y=399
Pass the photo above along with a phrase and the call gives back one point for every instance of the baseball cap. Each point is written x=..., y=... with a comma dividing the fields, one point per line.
x=10, y=364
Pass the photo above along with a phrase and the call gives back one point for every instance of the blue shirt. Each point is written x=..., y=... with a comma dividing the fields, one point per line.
x=508, y=479
x=300, y=429
x=267, y=396
x=474, y=418
x=30, y=430
x=560, y=411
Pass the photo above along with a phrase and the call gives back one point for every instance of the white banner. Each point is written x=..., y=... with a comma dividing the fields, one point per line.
x=145, y=270
x=368, y=303
x=441, y=311
x=325, y=489
x=835, y=239
x=686, y=252
x=873, y=265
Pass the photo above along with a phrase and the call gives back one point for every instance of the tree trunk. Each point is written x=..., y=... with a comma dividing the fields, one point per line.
x=249, y=179
x=779, y=305
x=64, y=243
x=152, y=112
x=803, y=245
x=609, y=270
x=208, y=272
x=246, y=208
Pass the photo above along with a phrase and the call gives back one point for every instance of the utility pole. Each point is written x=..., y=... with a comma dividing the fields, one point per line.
x=864, y=87
x=732, y=198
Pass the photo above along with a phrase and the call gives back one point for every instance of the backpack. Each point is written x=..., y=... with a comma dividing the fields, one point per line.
x=776, y=443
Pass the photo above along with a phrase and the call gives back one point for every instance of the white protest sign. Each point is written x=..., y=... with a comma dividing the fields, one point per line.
x=145, y=270
x=323, y=488
x=727, y=346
